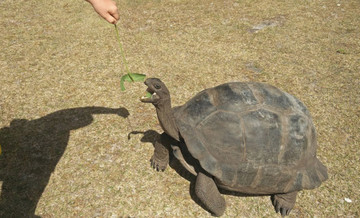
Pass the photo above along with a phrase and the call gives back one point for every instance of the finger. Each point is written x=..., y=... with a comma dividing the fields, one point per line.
x=114, y=13
x=110, y=18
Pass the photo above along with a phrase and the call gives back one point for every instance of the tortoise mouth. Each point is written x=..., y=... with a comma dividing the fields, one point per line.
x=150, y=96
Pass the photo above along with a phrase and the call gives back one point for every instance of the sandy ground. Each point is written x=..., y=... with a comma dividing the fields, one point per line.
x=65, y=125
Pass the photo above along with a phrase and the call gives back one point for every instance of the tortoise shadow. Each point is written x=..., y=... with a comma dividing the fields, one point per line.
x=151, y=136
x=31, y=150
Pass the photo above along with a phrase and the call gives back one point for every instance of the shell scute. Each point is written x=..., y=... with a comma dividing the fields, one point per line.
x=233, y=97
x=198, y=108
x=269, y=177
x=246, y=175
x=297, y=104
x=297, y=185
x=228, y=145
x=298, y=139
x=273, y=97
x=263, y=135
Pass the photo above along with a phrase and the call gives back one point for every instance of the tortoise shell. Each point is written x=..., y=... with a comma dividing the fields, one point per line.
x=252, y=137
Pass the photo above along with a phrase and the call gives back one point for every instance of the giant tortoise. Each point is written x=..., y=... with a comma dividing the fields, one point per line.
x=246, y=137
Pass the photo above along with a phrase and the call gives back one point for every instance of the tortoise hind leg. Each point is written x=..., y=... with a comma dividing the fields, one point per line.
x=284, y=203
x=208, y=193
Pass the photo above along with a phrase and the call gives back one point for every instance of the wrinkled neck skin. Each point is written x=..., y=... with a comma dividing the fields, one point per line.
x=166, y=118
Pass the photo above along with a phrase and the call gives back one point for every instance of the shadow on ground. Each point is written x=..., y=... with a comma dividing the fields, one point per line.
x=31, y=151
x=151, y=136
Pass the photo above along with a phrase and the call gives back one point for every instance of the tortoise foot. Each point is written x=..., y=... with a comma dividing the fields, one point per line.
x=160, y=158
x=284, y=203
x=158, y=164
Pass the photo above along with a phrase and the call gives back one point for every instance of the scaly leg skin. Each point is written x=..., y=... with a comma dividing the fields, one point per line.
x=283, y=203
x=208, y=193
x=160, y=158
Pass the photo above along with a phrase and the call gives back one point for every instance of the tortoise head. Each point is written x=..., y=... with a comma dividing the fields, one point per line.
x=157, y=90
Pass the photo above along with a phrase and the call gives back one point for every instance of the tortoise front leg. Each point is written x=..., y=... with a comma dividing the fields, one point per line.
x=160, y=158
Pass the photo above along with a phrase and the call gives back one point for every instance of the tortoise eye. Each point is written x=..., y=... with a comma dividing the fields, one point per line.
x=157, y=86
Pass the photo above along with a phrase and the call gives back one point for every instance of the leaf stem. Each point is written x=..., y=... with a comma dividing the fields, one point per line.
x=123, y=54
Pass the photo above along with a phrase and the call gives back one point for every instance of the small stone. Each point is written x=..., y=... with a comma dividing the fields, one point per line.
x=348, y=200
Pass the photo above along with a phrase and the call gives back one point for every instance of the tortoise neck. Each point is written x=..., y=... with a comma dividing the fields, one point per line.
x=166, y=118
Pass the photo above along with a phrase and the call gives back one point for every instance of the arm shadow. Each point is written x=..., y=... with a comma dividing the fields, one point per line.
x=31, y=150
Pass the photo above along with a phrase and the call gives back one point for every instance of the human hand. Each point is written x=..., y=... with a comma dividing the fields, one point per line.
x=106, y=9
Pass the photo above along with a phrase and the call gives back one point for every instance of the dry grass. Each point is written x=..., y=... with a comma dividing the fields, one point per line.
x=59, y=59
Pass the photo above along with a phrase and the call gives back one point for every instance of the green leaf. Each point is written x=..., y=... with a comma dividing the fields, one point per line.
x=148, y=95
x=122, y=87
x=137, y=77
x=131, y=77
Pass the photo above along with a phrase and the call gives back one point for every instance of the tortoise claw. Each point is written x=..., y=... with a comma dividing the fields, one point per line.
x=277, y=207
x=158, y=165
x=285, y=212
x=283, y=203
